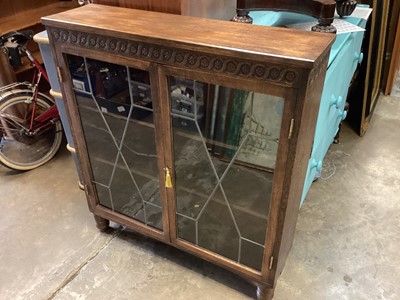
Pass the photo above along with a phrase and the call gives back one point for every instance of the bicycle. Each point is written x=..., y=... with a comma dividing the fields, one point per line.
x=30, y=126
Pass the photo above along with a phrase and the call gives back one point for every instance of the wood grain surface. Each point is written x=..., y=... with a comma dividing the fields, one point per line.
x=299, y=48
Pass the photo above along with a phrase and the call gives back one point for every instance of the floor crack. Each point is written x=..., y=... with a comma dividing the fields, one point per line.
x=75, y=272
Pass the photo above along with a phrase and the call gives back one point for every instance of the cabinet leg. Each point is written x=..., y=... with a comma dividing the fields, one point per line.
x=101, y=223
x=337, y=136
x=264, y=292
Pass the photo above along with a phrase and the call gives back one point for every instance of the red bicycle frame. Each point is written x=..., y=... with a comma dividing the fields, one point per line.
x=41, y=121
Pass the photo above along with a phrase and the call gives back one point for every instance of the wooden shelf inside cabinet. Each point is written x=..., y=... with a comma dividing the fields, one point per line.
x=197, y=137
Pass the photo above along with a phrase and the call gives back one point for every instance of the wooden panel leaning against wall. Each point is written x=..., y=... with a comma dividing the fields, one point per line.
x=394, y=63
x=366, y=85
x=392, y=49
x=211, y=9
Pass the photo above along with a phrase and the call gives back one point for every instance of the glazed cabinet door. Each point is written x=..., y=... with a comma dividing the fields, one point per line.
x=182, y=156
x=225, y=140
x=119, y=127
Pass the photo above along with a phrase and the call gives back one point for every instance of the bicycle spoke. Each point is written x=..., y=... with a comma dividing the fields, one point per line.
x=11, y=120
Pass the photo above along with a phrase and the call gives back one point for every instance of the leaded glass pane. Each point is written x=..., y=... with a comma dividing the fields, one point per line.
x=225, y=146
x=116, y=111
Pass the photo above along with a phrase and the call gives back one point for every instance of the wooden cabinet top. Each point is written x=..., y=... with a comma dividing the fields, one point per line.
x=298, y=48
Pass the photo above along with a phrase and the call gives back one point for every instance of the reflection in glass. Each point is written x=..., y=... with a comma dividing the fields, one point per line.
x=116, y=113
x=225, y=146
x=217, y=230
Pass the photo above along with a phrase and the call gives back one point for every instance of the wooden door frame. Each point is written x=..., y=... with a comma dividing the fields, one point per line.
x=289, y=95
x=381, y=53
x=376, y=79
x=394, y=62
x=59, y=52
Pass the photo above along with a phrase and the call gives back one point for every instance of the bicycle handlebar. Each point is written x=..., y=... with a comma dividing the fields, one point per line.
x=16, y=37
x=14, y=44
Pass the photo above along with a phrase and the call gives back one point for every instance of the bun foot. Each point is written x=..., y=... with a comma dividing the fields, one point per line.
x=101, y=223
x=264, y=292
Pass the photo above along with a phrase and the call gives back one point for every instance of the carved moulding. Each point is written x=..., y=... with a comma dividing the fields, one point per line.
x=178, y=57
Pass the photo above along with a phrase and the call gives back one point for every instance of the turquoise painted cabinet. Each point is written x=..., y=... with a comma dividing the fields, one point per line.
x=343, y=61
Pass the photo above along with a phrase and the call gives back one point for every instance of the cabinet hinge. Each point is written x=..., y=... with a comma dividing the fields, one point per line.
x=291, y=128
x=59, y=74
x=86, y=190
x=271, y=263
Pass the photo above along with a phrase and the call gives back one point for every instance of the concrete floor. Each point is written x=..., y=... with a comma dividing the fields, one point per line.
x=346, y=246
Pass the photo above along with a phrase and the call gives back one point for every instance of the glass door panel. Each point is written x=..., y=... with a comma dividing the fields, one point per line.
x=225, y=144
x=116, y=111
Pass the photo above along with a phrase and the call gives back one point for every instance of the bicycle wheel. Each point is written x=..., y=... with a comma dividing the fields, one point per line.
x=19, y=150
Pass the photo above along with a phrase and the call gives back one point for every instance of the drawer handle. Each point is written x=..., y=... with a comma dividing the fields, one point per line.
x=358, y=57
x=342, y=114
x=316, y=165
x=336, y=101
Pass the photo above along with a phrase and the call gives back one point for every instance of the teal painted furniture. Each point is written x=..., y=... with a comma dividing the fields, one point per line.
x=343, y=61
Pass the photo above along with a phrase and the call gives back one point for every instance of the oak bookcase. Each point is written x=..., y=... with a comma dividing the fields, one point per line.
x=189, y=132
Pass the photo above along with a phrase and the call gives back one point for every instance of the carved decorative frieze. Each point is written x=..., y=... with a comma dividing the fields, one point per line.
x=178, y=57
